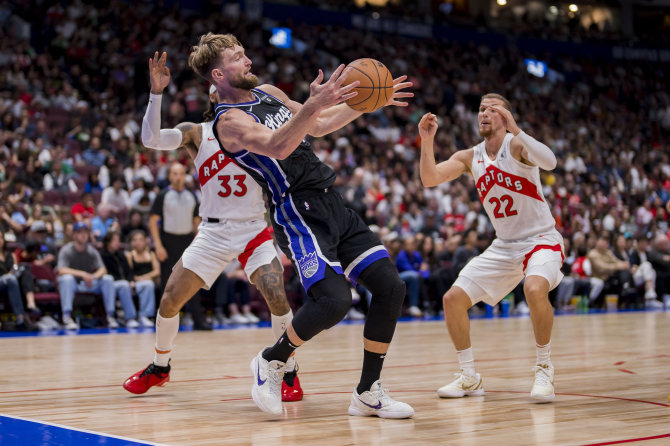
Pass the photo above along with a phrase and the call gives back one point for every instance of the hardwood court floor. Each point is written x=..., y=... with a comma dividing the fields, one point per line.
x=612, y=380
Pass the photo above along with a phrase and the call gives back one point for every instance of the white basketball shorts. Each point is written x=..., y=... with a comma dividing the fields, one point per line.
x=218, y=244
x=493, y=274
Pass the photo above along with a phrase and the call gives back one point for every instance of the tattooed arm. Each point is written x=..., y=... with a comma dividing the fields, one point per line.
x=269, y=279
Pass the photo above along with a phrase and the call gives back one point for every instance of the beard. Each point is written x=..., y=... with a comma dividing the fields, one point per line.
x=485, y=132
x=244, y=82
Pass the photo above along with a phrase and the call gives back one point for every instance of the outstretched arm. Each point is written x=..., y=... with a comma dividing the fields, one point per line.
x=337, y=116
x=327, y=121
x=239, y=131
x=432, y=173
x=334, y=118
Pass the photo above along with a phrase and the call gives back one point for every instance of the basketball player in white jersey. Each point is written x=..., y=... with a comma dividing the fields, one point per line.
x=233, y=226
x=506, y=169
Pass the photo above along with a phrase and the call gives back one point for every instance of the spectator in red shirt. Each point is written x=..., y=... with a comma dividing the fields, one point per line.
x=83, y=211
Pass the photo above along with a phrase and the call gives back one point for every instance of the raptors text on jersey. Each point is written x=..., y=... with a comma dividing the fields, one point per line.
x=228, y=192
x=511, y=193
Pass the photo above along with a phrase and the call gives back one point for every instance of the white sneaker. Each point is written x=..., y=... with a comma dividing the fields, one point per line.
x=238, y=319
x=650, y=294
x=49, y=323
x=111, y=322
x=251, y=318
x=266, y=390
x=132, y=323
x=69, y=323
x=146, y=322
x=415, y=311
x=354, y=315
x=522, y=308
x=376, y=402
x=42, y=326
x=463, y=385
x=221, y=319
x=653, y=304
x=543, y=387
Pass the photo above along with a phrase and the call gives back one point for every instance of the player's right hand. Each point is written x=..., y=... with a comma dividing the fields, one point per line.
x=159, y=73
x=332, y=92
x=428, y=126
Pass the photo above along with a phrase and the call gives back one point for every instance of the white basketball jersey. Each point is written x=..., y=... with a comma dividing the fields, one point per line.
x=228, y=192
x=511, y=194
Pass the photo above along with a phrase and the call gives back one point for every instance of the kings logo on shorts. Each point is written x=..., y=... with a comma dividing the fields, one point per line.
x=309, y=264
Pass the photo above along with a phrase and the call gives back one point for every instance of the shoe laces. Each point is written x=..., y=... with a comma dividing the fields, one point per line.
x=381, y=393
x=542, y=375
x=464, y=378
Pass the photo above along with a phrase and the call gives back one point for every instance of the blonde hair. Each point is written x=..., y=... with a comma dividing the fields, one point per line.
x=207, y=52
x=504, y=100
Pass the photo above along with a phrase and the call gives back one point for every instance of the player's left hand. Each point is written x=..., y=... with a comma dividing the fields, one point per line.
x=399, y=85
x=507, y=119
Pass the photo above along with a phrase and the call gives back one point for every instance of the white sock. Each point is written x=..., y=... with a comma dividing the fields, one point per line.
x=166, y=331
x=467, y=361
x=280, y=324
x=543, y=353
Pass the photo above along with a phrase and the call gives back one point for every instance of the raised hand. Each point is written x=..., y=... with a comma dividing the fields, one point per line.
x=332, y=92
x=507, y=119
x=399, y=84
x=428, y=126
x=159, y=73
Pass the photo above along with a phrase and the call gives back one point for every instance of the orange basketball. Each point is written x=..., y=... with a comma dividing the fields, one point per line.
x=375, y=88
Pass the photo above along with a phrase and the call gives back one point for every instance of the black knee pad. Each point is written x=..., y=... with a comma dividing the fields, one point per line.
x=329, y=301
x=388, y=293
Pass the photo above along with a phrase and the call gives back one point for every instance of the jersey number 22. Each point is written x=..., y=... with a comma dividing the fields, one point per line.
x=509, y=202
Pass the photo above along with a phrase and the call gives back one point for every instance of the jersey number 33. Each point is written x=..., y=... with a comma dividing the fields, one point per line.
x=238, y=189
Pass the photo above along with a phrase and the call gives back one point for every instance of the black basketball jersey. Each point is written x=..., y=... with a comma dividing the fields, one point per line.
x=302, y=170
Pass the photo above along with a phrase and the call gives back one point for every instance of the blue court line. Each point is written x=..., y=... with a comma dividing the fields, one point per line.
x=120, y=330
x=266, y=324
x=18, y=431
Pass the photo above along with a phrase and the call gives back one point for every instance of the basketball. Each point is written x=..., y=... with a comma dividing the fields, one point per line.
x=375, y=88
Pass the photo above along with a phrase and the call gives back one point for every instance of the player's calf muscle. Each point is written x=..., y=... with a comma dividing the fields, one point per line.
x=269, y=279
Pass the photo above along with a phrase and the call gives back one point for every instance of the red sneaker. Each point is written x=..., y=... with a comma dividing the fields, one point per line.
x=143, y=380
x=290, y=387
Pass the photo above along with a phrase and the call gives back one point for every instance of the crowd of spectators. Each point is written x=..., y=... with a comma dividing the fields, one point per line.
x=594, y=23
x=74, y=84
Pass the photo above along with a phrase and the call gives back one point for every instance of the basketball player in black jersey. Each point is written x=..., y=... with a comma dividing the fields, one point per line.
x=264, y=131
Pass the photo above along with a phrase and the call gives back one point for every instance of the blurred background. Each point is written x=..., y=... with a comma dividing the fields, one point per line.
x=587, y=78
